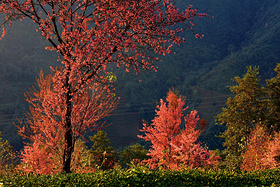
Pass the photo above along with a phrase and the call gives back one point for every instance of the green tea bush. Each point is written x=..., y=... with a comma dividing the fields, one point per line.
x=142, y=176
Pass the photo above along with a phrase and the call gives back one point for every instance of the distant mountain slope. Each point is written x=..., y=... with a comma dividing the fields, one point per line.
x=230, y=44
x=260, y=47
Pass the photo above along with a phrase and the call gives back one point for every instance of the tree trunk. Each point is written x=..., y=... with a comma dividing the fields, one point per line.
x=68, y=136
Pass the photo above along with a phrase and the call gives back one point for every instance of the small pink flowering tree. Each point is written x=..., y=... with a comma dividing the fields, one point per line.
x=272, y=155
x=173, y=147
x=43, y=127
x=256, y=148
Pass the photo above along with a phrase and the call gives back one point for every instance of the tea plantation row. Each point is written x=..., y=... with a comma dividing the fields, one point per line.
x=144, y=177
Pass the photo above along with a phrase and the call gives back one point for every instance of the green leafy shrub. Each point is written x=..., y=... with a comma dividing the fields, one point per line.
x=142, y=176
x=133, y=154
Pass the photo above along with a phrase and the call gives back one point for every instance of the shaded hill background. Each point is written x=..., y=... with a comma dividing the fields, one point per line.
x=242, y=33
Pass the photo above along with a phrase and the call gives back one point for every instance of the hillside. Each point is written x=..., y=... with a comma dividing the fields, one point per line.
x=242, y=33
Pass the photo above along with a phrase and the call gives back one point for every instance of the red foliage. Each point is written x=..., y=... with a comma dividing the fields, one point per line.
x=41, y=159
x=105, y=161
x=202, y=123
x=44, y=125
x=88, y=33
x=272, y=156
x=256, y=148
x=173, y=147
x=91, y=34
x=262, y=151
x=36, y=159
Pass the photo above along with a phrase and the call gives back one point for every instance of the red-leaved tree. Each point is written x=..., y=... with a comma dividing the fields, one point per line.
x=262, y=150
x=174, y=147
x=256, y=148
x=91, y=34
x=44, y=122
x=272, y=155
x=38, y=160
x=42, y=160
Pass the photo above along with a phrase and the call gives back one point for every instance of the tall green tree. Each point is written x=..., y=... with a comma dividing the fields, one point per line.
x=103, y=153
x=243, y=111
x=6, y=157
x=273, y=93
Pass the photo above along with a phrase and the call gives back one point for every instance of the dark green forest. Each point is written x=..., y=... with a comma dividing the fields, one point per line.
x=241, y=33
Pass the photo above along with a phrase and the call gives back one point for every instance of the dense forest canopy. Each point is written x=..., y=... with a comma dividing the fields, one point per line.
x=241, y=33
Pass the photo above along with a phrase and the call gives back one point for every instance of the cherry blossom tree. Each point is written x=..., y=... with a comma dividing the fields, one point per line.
x=174, y=147
x=91, y=34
